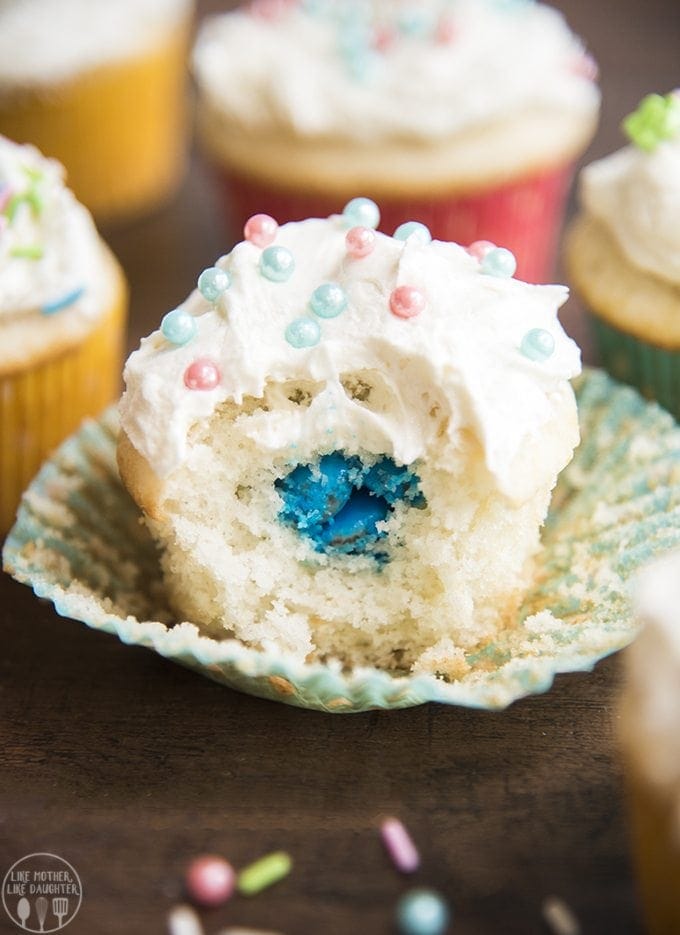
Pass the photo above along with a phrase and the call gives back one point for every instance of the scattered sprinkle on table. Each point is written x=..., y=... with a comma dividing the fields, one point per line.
x=210, y=880
x=182, y=920
x=399, y=845
x=422, y=912
x=559, y=917
x=264, y=873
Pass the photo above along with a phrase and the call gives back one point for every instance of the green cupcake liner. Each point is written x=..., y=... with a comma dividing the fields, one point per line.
x=654, y=371
x=78, y=542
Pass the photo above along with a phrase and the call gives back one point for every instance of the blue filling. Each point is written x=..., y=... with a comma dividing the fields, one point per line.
x=338, y=502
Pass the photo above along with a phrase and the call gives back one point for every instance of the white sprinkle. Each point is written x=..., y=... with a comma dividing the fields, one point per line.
x=399, y=845
x=559, y=917
x=182, y=920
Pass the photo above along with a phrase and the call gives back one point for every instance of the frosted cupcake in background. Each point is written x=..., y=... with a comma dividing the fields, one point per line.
x=465, y=115
x=100, y=86
x=623, y=251
x=650, y=734
x=62, y=317
x=345, y=442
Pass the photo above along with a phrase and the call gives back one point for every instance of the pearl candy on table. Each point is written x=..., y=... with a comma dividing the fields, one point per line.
x=210, y=880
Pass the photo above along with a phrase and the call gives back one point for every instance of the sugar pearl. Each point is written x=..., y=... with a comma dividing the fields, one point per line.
x=213, y=282
x=260, y=230
x=277, y=264
x=422, y=912
x=210, y=880
x=361, y=212
x=499, y=262
x=328, y=300
x=179, y=327
x=480, y=248
x=360, y=241
x=413, y=229
x=303, y=332
x=202, y=374
x=538, y=345
x=407, y=302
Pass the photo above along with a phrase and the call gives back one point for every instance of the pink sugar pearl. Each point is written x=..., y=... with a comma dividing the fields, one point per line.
x=260, y=230
x=407, y=302
x=203, y=374
x=446, y=31
x=383, y=38
x=210, y=880
x=360, y=241
x=480, y=248
x=585, y=66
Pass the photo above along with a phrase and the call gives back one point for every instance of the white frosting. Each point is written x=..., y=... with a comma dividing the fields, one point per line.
x=461, y=354
x=289, y=73
x=45, y=40
x=652, y=712
x=636, y=195
x=58, y=225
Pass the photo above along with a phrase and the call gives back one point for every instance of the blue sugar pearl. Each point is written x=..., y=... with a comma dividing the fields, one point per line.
x=415, y=229
x=538, y=344
x=213, y=282
x=422, y=912
x=499, y=262
x=277, y=264
x=303, y=332
x=328, y=300
x=179, y=327
x=361, y=212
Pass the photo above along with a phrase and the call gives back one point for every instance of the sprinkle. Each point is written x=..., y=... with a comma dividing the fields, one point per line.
x=361, y=212
x=360, y=241
x=264, y=872
x=480, y=248
x=303, y=332
x=56, y=305
x=538, y=345
x=270, y=9
x=499, y=262
x=179, y=327
x=559, y=917
x=328, y=300
x=446, y=31
x=260, y=230
x=656, y=119
x=414, y=22
x=182, y=920
x=213, y=283
x=413, y=230
x=5, y=195
x=383, y=38
x=277, y=264
x=422, y=912
x=585, y=66
x=407, y=302
x=399, y=845
x=202, y=374
x=210, y=880
x=31, y=252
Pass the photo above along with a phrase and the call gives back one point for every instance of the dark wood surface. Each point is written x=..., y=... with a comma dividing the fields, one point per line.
x=127, y=765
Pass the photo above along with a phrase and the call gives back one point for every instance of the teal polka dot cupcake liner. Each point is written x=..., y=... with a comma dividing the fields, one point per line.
x=654, y=371
x=78, y=542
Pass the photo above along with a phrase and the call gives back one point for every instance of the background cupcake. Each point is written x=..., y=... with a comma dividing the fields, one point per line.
x=623, y=252
x=99, y=86
x=466, y=116
x=62, y=317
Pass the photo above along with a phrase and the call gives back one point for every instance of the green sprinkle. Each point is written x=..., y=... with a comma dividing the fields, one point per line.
x=35, y=175
x=656, y=119
x=31, y=252
x=35, y=200
x=12, y=207
x=263, y=873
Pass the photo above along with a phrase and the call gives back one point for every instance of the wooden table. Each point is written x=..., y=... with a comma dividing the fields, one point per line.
x=127, y=765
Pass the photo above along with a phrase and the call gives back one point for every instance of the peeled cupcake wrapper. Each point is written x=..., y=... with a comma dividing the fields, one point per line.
x=523, y=216
x=78, y=542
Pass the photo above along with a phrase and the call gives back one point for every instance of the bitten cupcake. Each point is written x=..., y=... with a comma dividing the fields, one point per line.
x=62, y=317
x=465, y=115
x=101, y=87
x=623, y=252
x=345, y=442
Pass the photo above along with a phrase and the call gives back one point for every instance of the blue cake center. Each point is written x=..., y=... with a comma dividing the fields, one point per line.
x=339, y=501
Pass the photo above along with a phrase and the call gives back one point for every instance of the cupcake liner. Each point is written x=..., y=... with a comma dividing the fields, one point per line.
x=525, y=216
x=118, y=129
x=41, y=405
x=655, y=371
x=78, y=542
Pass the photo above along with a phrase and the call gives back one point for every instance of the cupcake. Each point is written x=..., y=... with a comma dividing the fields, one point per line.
x=345, y=442
x=650, y=734
x=467, y=116
x=99, y=86
x=623, y=252
x=62, y=317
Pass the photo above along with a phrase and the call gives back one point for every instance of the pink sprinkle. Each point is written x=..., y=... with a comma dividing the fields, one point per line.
x=260, y=230
x=5, y=195
x=203, y=374
x=399, y=845
x=480, y=248
x=407, y=302
x=383, y=38
x=360, y=241
x=210, y=880
x=446, y=31
x=585, y=66
x=270, y=9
